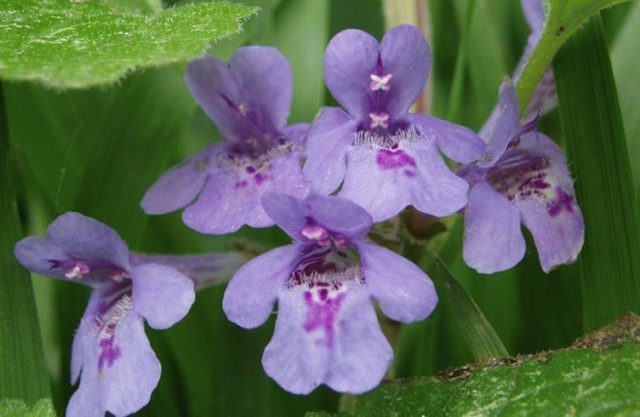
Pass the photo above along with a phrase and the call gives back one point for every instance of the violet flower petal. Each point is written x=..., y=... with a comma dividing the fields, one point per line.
x=251, y=293
x=213, y=86
x=457, y=142
x=226, y=202
x=404, y=291
x=231, y=197
x=296, y=133
x=161, y=294
x=339, y=344
x=501, y=126
x=326, y=157
x=180, y=185
x=123, y=386
x=328, y=118
x=338, y=215
x=534, y=13
x=553, y=216
x=349, y=61
x=558, y=237
x=264, y=75
x=544, y=98
x=362, y=354
x=406, y=56
x=84, y=238
x=35, y=254
x=255, y=87
x=493, y=240
x=386, y=181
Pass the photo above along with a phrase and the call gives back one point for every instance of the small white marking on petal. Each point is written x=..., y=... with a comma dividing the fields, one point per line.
x=380, y=82
x=379, y=120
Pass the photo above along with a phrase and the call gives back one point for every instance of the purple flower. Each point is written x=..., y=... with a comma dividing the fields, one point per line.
x=544, y=98
x=110, y=349
x=326, y=330
x=524, y=179
x=249, y=101
x=376, y=147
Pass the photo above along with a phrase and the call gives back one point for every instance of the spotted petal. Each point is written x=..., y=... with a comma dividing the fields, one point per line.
x=232, y=196
x=122, y=385
x=386, y=181
x=552, y=215
x=338, y=343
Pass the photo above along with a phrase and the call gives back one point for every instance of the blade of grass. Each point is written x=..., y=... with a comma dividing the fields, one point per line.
x=23, y=375
x=626, y=70
x=475, y=329
x=592, y=125
x=457, y=87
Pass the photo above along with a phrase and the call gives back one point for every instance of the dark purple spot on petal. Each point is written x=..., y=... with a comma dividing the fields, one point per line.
x=521, y=177
x=109, y=352
x=563, y=202
x=321, y=314
x=259, y=178
x=393, y=159
x=250, y=169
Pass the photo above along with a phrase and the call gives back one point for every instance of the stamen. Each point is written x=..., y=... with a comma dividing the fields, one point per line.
x=105, y=324
x=379, y=120
x=380, y=82
x=316, y=232
x=118, y=276
x=77, y=270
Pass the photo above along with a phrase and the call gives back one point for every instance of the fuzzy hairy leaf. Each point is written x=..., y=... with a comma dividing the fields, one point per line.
x=70, y=44
x=17, y=408
x=596, y=376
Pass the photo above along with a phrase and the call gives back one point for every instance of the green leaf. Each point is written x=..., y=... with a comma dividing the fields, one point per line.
x=592, y=126
x=23, y=375
x=563, y=18
x=17, y=408
x=70, y=44
x=598, y=375
x=626, y=70
x=472, y=325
